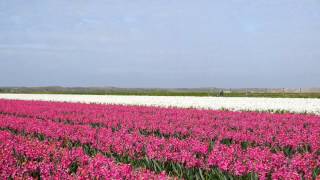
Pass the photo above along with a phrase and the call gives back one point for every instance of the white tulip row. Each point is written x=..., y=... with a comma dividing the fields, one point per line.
x=297, y=105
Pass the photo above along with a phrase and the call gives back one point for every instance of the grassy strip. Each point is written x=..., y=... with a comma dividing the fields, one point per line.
x=162, y=92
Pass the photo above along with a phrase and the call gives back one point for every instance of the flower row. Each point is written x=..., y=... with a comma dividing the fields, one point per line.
x=272, y=130
x=23, y=158
x=189, y=152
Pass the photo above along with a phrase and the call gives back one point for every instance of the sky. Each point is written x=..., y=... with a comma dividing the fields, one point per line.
x=160, y=43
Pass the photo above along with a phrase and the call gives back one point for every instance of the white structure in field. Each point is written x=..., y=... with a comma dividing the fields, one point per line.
x=298, y=105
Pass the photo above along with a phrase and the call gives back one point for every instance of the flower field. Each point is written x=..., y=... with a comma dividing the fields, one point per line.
x=296, y=105
x=60, y=140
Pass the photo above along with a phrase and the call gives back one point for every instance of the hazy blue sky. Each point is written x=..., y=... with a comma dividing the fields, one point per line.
x=160, y=43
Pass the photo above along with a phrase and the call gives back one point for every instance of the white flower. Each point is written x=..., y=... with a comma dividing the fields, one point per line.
x=298, y=105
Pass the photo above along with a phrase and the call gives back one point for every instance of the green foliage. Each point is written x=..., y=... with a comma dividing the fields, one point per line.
x=306, y=148
x=96, y=125
x=40, y=137
x=116, y=128
x=158, y=133
x=73, y=167
x=316, y=173
x=244, y=145
x=20, y=158
x=288, y=151
x=36, y=174
x=89, y=150
x=227, y=141
x=211, y=146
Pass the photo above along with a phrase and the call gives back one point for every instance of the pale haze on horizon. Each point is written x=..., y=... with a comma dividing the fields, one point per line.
x=160, y=43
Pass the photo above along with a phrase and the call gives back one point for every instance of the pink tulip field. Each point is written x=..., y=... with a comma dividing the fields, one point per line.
x=59, y=140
